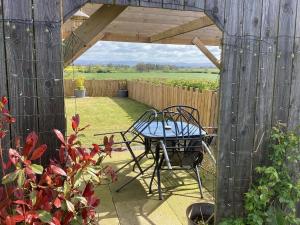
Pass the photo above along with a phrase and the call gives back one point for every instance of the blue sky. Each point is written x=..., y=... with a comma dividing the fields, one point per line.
x=104, y=52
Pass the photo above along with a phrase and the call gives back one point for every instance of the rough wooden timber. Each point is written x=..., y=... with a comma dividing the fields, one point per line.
x=196, y=41
x=20, y=76
x=182, y=29
x=49, y=70
x=89, y=30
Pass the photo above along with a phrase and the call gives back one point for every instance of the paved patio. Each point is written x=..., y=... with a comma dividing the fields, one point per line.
x=134, y=206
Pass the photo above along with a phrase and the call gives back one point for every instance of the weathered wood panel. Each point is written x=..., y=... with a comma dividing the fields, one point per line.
x=265, y=79
x=3, y=79
x=294, y=109
x=49, y=68
x=72, y=6
x=246, y=100
x=215, y=9
x=259, y=87
x=229, y=86
x=21, y=77
x=283, y=73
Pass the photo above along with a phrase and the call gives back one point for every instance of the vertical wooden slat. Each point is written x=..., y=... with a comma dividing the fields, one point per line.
x=20, y=70
x=228, y=110
x=215, y=9
x=246, y=101
x=49, y=68
x=283, y=73
x=3, y=77
x=265, y=78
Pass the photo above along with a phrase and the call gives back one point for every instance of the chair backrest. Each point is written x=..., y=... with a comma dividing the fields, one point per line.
x=183, y=135
x=133, y=133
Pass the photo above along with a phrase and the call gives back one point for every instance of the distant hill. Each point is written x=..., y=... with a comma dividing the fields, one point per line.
x=133, y=63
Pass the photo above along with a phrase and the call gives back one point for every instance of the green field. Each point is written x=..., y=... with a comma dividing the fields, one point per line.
x=144, y=75
x=103, y=114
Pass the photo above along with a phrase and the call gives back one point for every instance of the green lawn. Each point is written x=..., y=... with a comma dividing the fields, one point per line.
x=145, y=75
x=104, y=114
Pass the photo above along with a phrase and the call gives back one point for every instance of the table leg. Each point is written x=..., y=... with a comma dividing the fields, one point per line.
x=156, y=159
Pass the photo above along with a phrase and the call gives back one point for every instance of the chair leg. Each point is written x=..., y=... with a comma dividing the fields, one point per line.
x=135, y=160
x=199, y=180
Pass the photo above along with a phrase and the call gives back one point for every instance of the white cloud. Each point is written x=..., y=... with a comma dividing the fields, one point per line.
x=118, y=52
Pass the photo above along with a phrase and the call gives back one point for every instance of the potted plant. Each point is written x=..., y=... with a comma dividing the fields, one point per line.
x=200, y=214
x=79, y=88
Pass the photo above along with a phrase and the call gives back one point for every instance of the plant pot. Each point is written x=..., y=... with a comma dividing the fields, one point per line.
x=200, y=212
x=79, y=93
x=122, y=93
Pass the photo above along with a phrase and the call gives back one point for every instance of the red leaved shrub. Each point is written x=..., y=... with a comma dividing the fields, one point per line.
x=63, y=192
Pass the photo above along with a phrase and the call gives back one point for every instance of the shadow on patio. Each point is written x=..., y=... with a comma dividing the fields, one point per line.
x=134, y=206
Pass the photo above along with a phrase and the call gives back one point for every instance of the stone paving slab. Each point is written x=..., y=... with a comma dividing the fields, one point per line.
x=135, y=206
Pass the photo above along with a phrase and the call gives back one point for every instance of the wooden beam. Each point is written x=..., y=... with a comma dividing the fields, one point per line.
x=182, y=29
x=85, y=34
x=144, y=39
x=189, y=5
x=196, y=41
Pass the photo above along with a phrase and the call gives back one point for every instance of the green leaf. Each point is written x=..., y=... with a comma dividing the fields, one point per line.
x=94, y=176
x=45, y=216
x=81, y=199
x=67, y=188
x=32, y=196
x=38, y=169
x=21, y=178
x=78, y=178
x=70, y=206
x=10, y=177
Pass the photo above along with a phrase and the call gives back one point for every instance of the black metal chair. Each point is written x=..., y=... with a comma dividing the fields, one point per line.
x=133, y=135
x=181, y=147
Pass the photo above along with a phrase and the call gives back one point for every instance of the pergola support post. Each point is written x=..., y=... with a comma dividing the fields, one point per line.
x=197, y=42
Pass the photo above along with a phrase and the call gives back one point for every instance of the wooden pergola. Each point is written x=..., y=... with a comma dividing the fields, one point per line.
x=140, y=25
x=260, y=74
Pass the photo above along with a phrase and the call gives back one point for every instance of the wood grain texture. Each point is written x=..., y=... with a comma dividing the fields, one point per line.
x=182, y=29
x=284, y=60
x=215, y=9
x=21, y=75
x=72, y=6
x=229, y=87
x=265, y=79
x=49, y=69
x=294, y=109
x=245, y=126
x=5, y=143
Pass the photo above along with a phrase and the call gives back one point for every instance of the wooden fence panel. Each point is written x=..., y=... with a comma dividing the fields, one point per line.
x=161, y=96
x=96, y=88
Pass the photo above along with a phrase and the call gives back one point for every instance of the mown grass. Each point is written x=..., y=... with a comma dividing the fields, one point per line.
x=103, y=114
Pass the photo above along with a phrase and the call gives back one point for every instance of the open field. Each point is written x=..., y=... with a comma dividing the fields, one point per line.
x=103, y=114
x=144, y=75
